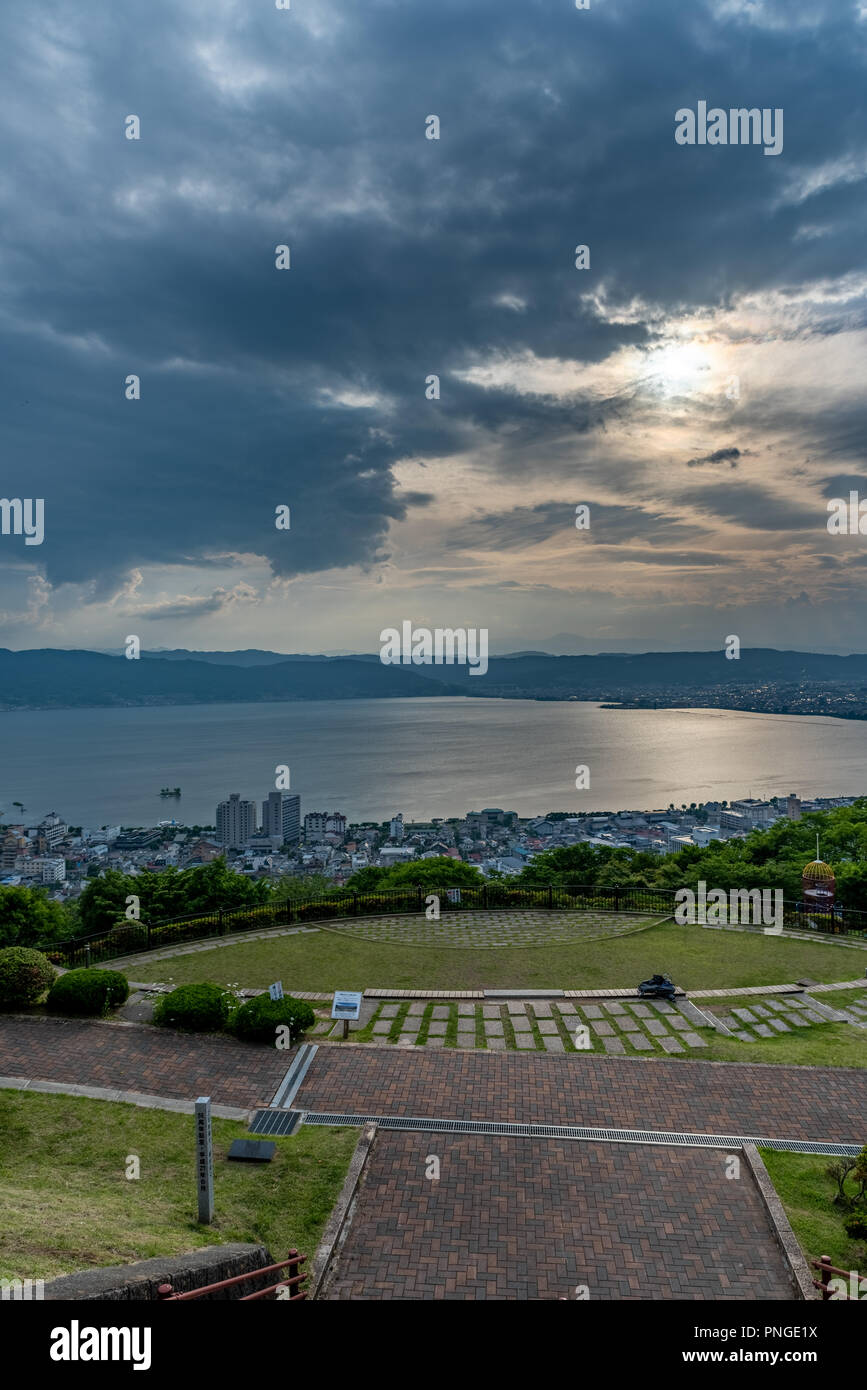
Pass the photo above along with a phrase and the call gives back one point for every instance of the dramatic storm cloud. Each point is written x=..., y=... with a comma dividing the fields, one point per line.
x=719, y=328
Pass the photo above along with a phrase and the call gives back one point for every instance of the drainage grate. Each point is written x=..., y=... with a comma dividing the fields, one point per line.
x=290, y=1085
x=275, y=1121
x=622, y=1136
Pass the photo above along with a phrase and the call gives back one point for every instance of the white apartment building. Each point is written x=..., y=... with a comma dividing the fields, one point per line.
x=236, y=821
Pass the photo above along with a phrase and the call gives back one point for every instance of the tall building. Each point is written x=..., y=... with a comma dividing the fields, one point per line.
x=395, y=830
x=314, y=824
x=236, y=821
x=793, y=806
x=281, y=816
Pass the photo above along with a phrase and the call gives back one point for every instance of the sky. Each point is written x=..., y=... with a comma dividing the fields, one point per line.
x=699, y=385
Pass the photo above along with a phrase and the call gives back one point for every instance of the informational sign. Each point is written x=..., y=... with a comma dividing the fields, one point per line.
x=453, y=894
x=204, y=1160
x=276, y=990
x=346, y=1005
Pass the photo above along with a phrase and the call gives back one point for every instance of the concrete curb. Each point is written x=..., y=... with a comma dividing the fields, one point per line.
x=341, y=1216
x=140, y=1098
x=799, y=1270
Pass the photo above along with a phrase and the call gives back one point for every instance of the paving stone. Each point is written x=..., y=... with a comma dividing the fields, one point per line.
x=466, y=1010
x=435, y=1042
x=496, y=1044
x=615, y=1008
x=761, y=1011
x=615, y=1045
x=692, y=1040
x=605, y=1030
x=663, y=1006
x=641, y=1043
x=548, y=1026
x=389, y=1011
x=814, y=1017
x=525, y=1042
x=493, y=1029
x=490, y=1011
x=744, y=1015
x=466, y=1031
x=776, y=1004
x=542, y=1009
x=417, y=1007
x=405, y=1042
x=730, y=1021
x=521, y=1025
x=567, y=1008
x=436, y=1028
x=382, y=1026
x=779, y=1025
x=554, y=1044
x=592, y=1010
x=743, y=1037
x=670, y=1044
x=658, y=1029
x=515, y=1007
x=679, y=1022
x=797, y=1021
x=629, y=1025
x=440, y=1011
x=763, y=1030
x=641, y=1010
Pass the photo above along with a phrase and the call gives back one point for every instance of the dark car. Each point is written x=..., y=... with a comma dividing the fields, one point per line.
x=657, y=987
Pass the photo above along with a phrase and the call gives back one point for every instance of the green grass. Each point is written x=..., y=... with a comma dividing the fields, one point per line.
x=806, y=1193
x=842, y=998
x=67, y=1204
x=823, y=1045
x=695, y=958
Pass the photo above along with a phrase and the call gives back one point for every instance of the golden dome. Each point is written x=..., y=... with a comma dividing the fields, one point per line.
x=817, y=869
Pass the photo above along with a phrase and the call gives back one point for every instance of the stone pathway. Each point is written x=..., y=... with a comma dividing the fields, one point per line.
x=769, y=1017
x=620, y=1027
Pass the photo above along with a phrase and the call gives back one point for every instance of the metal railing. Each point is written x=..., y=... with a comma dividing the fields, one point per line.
x=286, y=1290
x=134, y=938
x=828, y=1271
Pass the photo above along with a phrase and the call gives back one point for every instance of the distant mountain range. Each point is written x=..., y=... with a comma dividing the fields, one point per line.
x=50, y=678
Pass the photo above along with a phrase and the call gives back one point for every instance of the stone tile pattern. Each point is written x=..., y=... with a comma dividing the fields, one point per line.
x=480, y=929
x=527, y=1219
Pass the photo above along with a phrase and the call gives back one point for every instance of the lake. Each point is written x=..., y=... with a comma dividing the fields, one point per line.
x=424, y=757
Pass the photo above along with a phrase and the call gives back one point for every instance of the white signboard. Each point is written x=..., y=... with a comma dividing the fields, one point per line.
x=276, y=990
x=346, y=1004
x=453, y=894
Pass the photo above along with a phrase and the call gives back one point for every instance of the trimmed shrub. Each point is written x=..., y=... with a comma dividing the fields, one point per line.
x=200, y=1008
x=259, y=1019
x=90, y=992
x=25, y=975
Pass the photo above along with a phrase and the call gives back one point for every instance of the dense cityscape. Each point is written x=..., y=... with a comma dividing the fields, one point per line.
x=276, y=841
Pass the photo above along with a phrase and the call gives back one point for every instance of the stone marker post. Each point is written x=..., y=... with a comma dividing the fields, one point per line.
x=204, y=1160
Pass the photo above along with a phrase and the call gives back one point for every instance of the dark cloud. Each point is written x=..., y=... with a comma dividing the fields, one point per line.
x=729, y=456
x=261, y=127
x=752, y=506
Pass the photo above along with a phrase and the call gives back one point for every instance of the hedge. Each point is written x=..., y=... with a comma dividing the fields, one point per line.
x=25, y=975
x=91, y=992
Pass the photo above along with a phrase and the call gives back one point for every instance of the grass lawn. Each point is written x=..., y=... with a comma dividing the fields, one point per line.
x=67, y=1204
x=694, y=957
x=826, y=1045
x=806, y=1193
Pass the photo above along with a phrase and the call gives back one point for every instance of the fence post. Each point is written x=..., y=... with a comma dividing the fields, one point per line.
x=825, y=1262
x=87, y=954
x=418, y=896
x=484, y=895
x=148, y=930
x=219, y=921
x=550, y=895
x=165, y=1291
x=355, y=904
x=616, y=898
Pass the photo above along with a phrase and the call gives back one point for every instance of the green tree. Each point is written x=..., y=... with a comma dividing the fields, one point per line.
x=28, y=917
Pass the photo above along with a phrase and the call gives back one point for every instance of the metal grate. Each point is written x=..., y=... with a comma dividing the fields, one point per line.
x=289, y=1086
x=675, y=1139
x=275, y=1121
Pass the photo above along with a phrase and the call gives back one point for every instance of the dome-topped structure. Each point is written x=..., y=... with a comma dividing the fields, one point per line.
x=817, y=869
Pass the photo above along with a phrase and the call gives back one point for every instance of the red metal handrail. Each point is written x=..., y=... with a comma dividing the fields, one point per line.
x=166, y=1293
x=824, y=1264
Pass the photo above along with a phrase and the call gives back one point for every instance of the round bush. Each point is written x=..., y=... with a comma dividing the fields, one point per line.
x=259, y=1019
x=856, y=1225
x=200, y=1008
x=90, y=992
x=25, y=975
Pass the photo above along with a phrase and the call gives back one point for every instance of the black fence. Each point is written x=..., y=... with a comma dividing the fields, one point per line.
x=133, y=937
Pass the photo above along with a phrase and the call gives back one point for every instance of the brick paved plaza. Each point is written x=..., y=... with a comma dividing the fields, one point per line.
x=812, y=1103
x=531, y=1219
